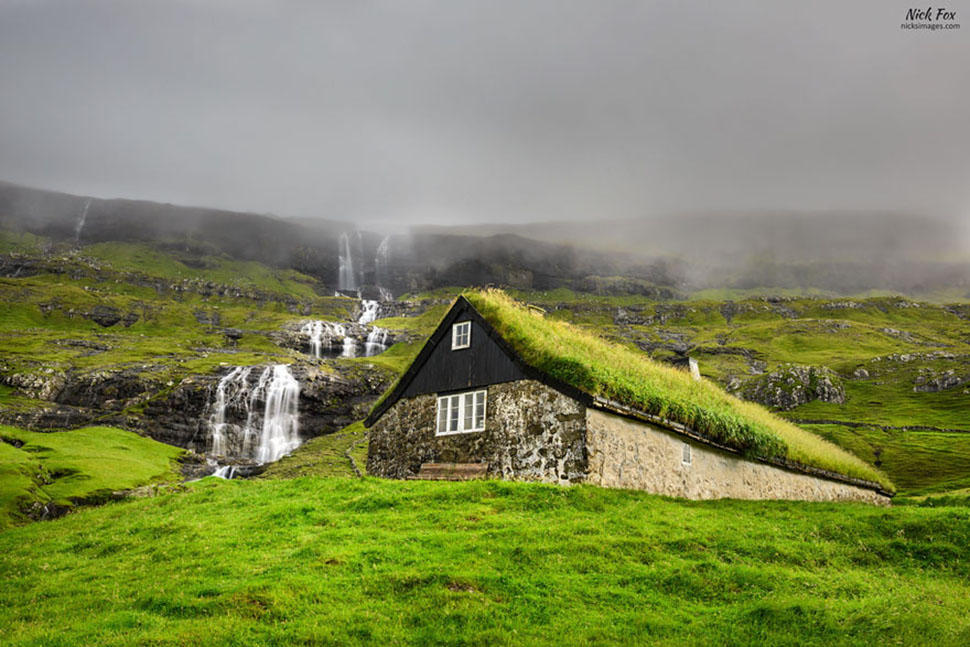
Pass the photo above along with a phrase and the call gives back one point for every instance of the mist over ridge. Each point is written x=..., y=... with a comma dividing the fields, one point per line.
x=663, y=257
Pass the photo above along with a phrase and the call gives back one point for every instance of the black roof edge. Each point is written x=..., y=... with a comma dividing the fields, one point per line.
x=461, y=306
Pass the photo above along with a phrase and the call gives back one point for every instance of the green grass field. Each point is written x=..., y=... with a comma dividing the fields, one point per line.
x=367, y=562
x=79, y=466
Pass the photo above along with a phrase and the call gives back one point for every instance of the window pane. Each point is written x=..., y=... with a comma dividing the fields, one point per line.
x=442, y=415
x=480, y=410
x=469, y=406
x=453, y=413
x=461, y=335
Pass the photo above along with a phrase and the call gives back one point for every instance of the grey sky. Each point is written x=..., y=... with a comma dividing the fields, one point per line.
x=488, y=111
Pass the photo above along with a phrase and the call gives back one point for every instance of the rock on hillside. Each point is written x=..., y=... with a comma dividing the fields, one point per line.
x=791, y=385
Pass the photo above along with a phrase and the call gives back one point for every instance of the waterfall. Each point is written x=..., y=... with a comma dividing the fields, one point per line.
x=347, y=279
x=351, y=269
x=324, y=335
x=349, y=347
x=225, y=472
x=270, y=410
x=376, y=341
x=218, y=437
x=80, y=221
x=369, y=310
x=281, y=419
x=382, y=262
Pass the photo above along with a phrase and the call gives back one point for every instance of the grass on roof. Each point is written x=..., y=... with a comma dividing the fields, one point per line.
x=602, y=368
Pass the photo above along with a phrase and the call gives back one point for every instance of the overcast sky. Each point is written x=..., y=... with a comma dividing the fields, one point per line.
x=500, y=110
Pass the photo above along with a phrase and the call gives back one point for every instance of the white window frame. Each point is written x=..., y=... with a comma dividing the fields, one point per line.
x=685, y=456
x=451, y=415
x=459, y=331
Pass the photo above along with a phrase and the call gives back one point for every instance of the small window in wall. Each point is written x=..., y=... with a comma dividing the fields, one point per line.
x=686, y=455
x=461, y=413
x=461, y=335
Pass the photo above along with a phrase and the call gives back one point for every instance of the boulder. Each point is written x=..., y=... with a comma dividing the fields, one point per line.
x=791, y=385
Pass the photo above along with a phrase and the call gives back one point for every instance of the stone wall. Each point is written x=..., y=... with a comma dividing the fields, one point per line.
x=625, y=453
x=532, y=433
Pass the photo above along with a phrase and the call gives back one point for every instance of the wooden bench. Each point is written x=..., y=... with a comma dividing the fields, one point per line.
x=451, y=471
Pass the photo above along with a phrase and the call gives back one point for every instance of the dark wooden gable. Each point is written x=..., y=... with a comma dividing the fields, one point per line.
x=488, y=360
x=482, y=363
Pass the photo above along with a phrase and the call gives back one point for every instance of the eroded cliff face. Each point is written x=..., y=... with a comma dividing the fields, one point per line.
x=332, y=395
x=532, y=433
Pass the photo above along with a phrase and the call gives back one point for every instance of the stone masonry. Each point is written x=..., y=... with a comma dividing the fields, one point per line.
x=631, y=454
x=532, y=433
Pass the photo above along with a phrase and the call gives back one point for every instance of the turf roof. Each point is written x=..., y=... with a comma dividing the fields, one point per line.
x=600, y=368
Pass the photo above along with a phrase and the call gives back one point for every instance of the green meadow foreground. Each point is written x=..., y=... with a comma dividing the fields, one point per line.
x=334, y=561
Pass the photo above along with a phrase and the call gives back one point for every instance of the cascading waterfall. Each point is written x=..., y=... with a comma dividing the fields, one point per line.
x=225, y=472
x=81, y=220
x=270, y=409
x=348, y=278
x=369, y=310
x=376, y=341
x=281, y=419
x=349, y=347
x=382, y=262
x=325, y=335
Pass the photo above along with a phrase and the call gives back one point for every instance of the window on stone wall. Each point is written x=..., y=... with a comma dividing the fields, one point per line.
x=686, y=455
x=461, y=335
x=461, y=413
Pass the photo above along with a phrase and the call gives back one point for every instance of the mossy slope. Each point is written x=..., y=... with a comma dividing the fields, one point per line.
x=64, y=468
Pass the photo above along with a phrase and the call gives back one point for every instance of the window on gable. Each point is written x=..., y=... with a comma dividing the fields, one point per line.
x=461, y=335
x=686, y=455
x=461, y=413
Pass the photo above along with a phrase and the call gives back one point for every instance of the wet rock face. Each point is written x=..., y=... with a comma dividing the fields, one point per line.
x=107, y=389
x=331, y=397
x=292, y=336
x=792, y=385
x=531, y=433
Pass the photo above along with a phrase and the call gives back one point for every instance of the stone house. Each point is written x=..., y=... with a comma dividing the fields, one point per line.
x=470, y=405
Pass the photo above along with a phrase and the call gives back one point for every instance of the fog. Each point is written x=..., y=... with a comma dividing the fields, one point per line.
x=394, y=113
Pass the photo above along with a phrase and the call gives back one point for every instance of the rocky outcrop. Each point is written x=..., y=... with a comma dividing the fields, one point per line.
x=331, y=397
x=45, y=384
x=930, y=381
x=791, y=385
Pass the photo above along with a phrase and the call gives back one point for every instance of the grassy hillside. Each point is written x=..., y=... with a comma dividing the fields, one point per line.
x=79, y=466
x=335, y=454
x=335, y=561
x=617, y=372
x=176, y=304
x=158, y=312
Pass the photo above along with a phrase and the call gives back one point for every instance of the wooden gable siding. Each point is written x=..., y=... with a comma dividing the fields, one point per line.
x=488, y=360
x=481, y=364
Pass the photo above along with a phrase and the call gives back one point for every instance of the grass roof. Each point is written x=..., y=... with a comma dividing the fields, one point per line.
x=603, y=368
